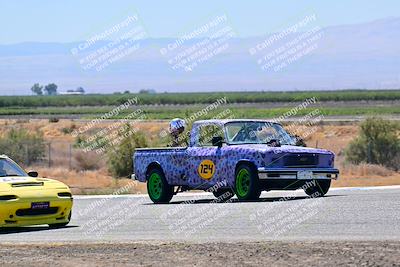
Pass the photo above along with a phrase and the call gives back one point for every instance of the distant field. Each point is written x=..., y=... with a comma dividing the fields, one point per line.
x=241, y=105
x=196, y=98
x=166, y=113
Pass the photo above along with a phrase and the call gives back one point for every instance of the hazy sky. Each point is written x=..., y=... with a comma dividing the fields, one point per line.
x=74, y=20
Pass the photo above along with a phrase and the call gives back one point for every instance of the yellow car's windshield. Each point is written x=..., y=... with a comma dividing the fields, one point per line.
x=9, y=168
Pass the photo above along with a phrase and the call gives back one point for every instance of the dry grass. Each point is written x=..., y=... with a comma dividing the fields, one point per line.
x=366, y=170
x=334, y=138
x=54, y=131
x=366, y=175
x=87, y=161
x=89, y=182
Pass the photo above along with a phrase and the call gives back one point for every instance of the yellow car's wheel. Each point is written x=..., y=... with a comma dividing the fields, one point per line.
x=59, y=225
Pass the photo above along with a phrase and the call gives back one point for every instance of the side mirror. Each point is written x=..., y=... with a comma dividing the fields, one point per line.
x=33, y=173
x=217, y=141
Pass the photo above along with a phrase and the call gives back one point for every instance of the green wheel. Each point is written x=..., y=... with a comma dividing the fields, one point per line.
x=157, y=187
x=247, y=186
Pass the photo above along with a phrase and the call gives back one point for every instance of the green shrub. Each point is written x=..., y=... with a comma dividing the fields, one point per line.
x=68, y=130
x=54, y=120
x=22, y=146
x=89, y=144
x=377, y=143
x=120, y=156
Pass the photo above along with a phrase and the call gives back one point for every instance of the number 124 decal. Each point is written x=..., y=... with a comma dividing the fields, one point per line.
x=206, y=169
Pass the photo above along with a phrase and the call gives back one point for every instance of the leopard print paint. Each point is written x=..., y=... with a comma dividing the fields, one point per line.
x=180, y=164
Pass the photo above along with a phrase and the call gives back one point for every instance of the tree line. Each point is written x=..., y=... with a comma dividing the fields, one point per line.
x=51, y=89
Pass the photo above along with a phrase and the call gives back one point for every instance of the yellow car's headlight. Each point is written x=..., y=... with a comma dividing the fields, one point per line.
x=7, y=197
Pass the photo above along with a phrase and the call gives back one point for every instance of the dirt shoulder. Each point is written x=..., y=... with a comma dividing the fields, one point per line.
x=351, y=253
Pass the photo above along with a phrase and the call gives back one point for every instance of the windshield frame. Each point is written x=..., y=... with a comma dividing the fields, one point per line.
x=253, y=143
x=19, y=169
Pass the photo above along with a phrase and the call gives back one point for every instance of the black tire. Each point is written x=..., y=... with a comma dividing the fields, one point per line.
x=163, y=192
x=61, y=225
x=223, y=194
x=320, y=189
x=252, y=184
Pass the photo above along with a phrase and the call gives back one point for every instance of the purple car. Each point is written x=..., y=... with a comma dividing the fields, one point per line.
x=242, y=157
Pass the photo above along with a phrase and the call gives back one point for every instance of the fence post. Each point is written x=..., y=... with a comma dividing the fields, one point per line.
x=26, y=155
x=369, y=152
x=49, y=154
x=70, y=156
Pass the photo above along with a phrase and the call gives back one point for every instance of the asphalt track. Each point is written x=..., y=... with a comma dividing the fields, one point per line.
x=371, y=214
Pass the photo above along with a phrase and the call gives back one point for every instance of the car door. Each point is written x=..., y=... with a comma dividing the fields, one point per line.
x=205, y=161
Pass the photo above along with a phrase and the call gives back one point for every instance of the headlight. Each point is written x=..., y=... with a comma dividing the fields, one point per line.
x=7, y=197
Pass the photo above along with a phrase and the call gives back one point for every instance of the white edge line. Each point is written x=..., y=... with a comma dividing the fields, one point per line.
x=383, y=187
x=187, y=194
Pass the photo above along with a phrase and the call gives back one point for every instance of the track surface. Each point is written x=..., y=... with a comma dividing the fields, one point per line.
x=369, y=214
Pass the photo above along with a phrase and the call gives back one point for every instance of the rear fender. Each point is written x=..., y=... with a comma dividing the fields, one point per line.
x=154, y=164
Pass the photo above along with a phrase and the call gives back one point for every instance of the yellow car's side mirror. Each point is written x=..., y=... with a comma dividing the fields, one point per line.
x=33, y=173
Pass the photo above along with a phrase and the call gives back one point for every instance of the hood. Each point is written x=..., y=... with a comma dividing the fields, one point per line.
x=283, y=149
x=12, y=182
x=287, y=156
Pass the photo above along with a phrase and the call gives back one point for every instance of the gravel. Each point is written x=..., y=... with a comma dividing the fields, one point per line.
x=322, y=253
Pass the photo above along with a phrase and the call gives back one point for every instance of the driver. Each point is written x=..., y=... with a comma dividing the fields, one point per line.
x=177, y=127
x=247, y=133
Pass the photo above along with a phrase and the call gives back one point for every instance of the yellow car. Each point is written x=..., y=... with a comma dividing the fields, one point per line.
x=28, y=200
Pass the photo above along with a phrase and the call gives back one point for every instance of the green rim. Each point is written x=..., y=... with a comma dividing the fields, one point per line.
x=243, y=182
x=155, y=186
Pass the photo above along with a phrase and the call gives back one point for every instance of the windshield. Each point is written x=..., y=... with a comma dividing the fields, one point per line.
x=9, y=168
x=256, y=132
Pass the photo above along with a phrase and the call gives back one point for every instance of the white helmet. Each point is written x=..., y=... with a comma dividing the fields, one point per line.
x=177, y=126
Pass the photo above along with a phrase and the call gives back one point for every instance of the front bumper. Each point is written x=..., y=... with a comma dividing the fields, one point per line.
x=18, y=211
x=298, y=173
x=9, y=216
